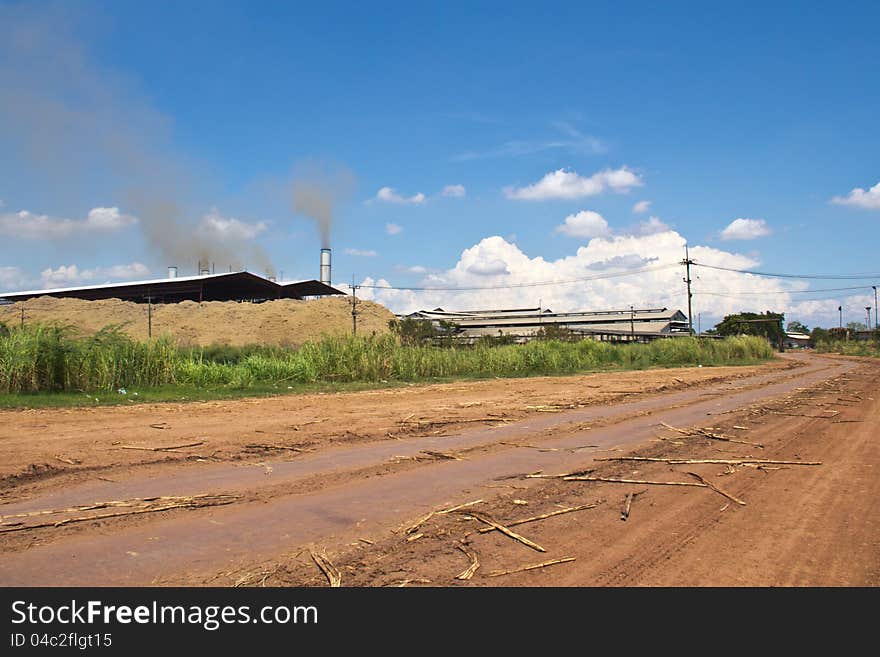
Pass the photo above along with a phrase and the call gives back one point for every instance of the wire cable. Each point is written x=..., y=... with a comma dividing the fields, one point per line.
x=629, y=272
x=803, y=276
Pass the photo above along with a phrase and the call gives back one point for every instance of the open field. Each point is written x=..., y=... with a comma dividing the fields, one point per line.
x=239, y=492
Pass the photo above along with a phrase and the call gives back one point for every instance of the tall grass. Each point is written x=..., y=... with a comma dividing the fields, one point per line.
x=851, y=347
x=39, y=358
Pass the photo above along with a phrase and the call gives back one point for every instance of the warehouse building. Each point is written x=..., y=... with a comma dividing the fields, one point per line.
x=523, y=324
x=230, y=286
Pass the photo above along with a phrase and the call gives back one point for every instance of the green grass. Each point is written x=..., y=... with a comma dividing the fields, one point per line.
x=52, y=361
x=850, y=348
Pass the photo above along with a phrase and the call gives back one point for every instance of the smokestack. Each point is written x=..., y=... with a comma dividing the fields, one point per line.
x=325, y=266
x=172, y=272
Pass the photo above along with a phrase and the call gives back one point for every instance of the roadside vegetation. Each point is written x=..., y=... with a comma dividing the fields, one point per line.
x=54, y=359
x=850, y=347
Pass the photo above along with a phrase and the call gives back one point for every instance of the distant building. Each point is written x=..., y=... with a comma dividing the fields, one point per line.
x=231, y=286
x=523, y=324
x=794, y=340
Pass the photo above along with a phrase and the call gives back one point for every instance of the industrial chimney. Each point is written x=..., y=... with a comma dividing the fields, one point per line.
x=325, y=266
x=172, y=272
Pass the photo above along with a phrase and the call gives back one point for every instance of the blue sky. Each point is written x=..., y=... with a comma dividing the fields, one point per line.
x=718, y=113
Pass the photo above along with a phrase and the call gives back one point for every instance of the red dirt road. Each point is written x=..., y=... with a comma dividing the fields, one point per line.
x=801, y=524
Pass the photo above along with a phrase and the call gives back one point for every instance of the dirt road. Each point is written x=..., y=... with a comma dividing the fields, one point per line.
x=246, y=509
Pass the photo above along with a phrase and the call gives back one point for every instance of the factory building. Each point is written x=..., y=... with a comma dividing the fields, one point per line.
x=230, y=286
x=634, y=325
x=226, y=286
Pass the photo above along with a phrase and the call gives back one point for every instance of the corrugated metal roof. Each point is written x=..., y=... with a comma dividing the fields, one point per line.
x=155, y=281
x=223, y=286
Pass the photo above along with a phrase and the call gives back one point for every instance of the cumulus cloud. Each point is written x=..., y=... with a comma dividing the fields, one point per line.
x=641, y=207
x=585, y=224
x=564, y=184
x=745, y=229
x=71, y=275
x=29, y=225
x=12, y=278
x=496, y=261
x=861, y=198
x=219, y=227
x=393, y=229
x=454, y=191
x=495, y=267
x=652, y=225
x=389, y=195
x=366, y=253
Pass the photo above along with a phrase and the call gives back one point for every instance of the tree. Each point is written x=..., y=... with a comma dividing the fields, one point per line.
x=447, y=331
x=412, y=331
x=768, y=325
x=818, y=335
x=555, y=332
x=857, y=326
x=795, y=326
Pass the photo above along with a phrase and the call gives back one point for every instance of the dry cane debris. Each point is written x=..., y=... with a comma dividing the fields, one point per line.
x=331, y=572
x=716, y=489
x=544, y=516
x=137, y=506
x=504, y=530
x=706, y=433
x=161, y=449
x=499, y=573
x=468, y=572
x=627, y=505
x=682, y=461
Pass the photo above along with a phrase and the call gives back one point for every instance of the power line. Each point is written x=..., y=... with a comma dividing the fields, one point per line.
x=826, y=289
x=629, y=272
x=864, y=276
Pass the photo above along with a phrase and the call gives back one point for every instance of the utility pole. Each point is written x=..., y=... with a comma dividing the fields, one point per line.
x=840, y=310
x=632, y=324
x=687, y=262
x=354, y=317
x=876, y=324
x=22, y=313
x=149, y=316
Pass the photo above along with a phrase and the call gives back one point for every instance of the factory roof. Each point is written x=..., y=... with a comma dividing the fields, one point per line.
x=227, y=286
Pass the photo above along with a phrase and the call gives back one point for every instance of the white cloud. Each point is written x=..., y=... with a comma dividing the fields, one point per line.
x=641, y=207
x=414, y=269
x=652, y=225
x=229, y=228
x=366, y=253
x=496, y=267
x=28, y=225
x=716, y=293
x=745, y=229
x=455, y=191
x=389, y=195
x=860, y=198
x=71, y=275
x=563, y=184
x=586, y=224
x=108, y=219
x=393, y=229
x=12, y=278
